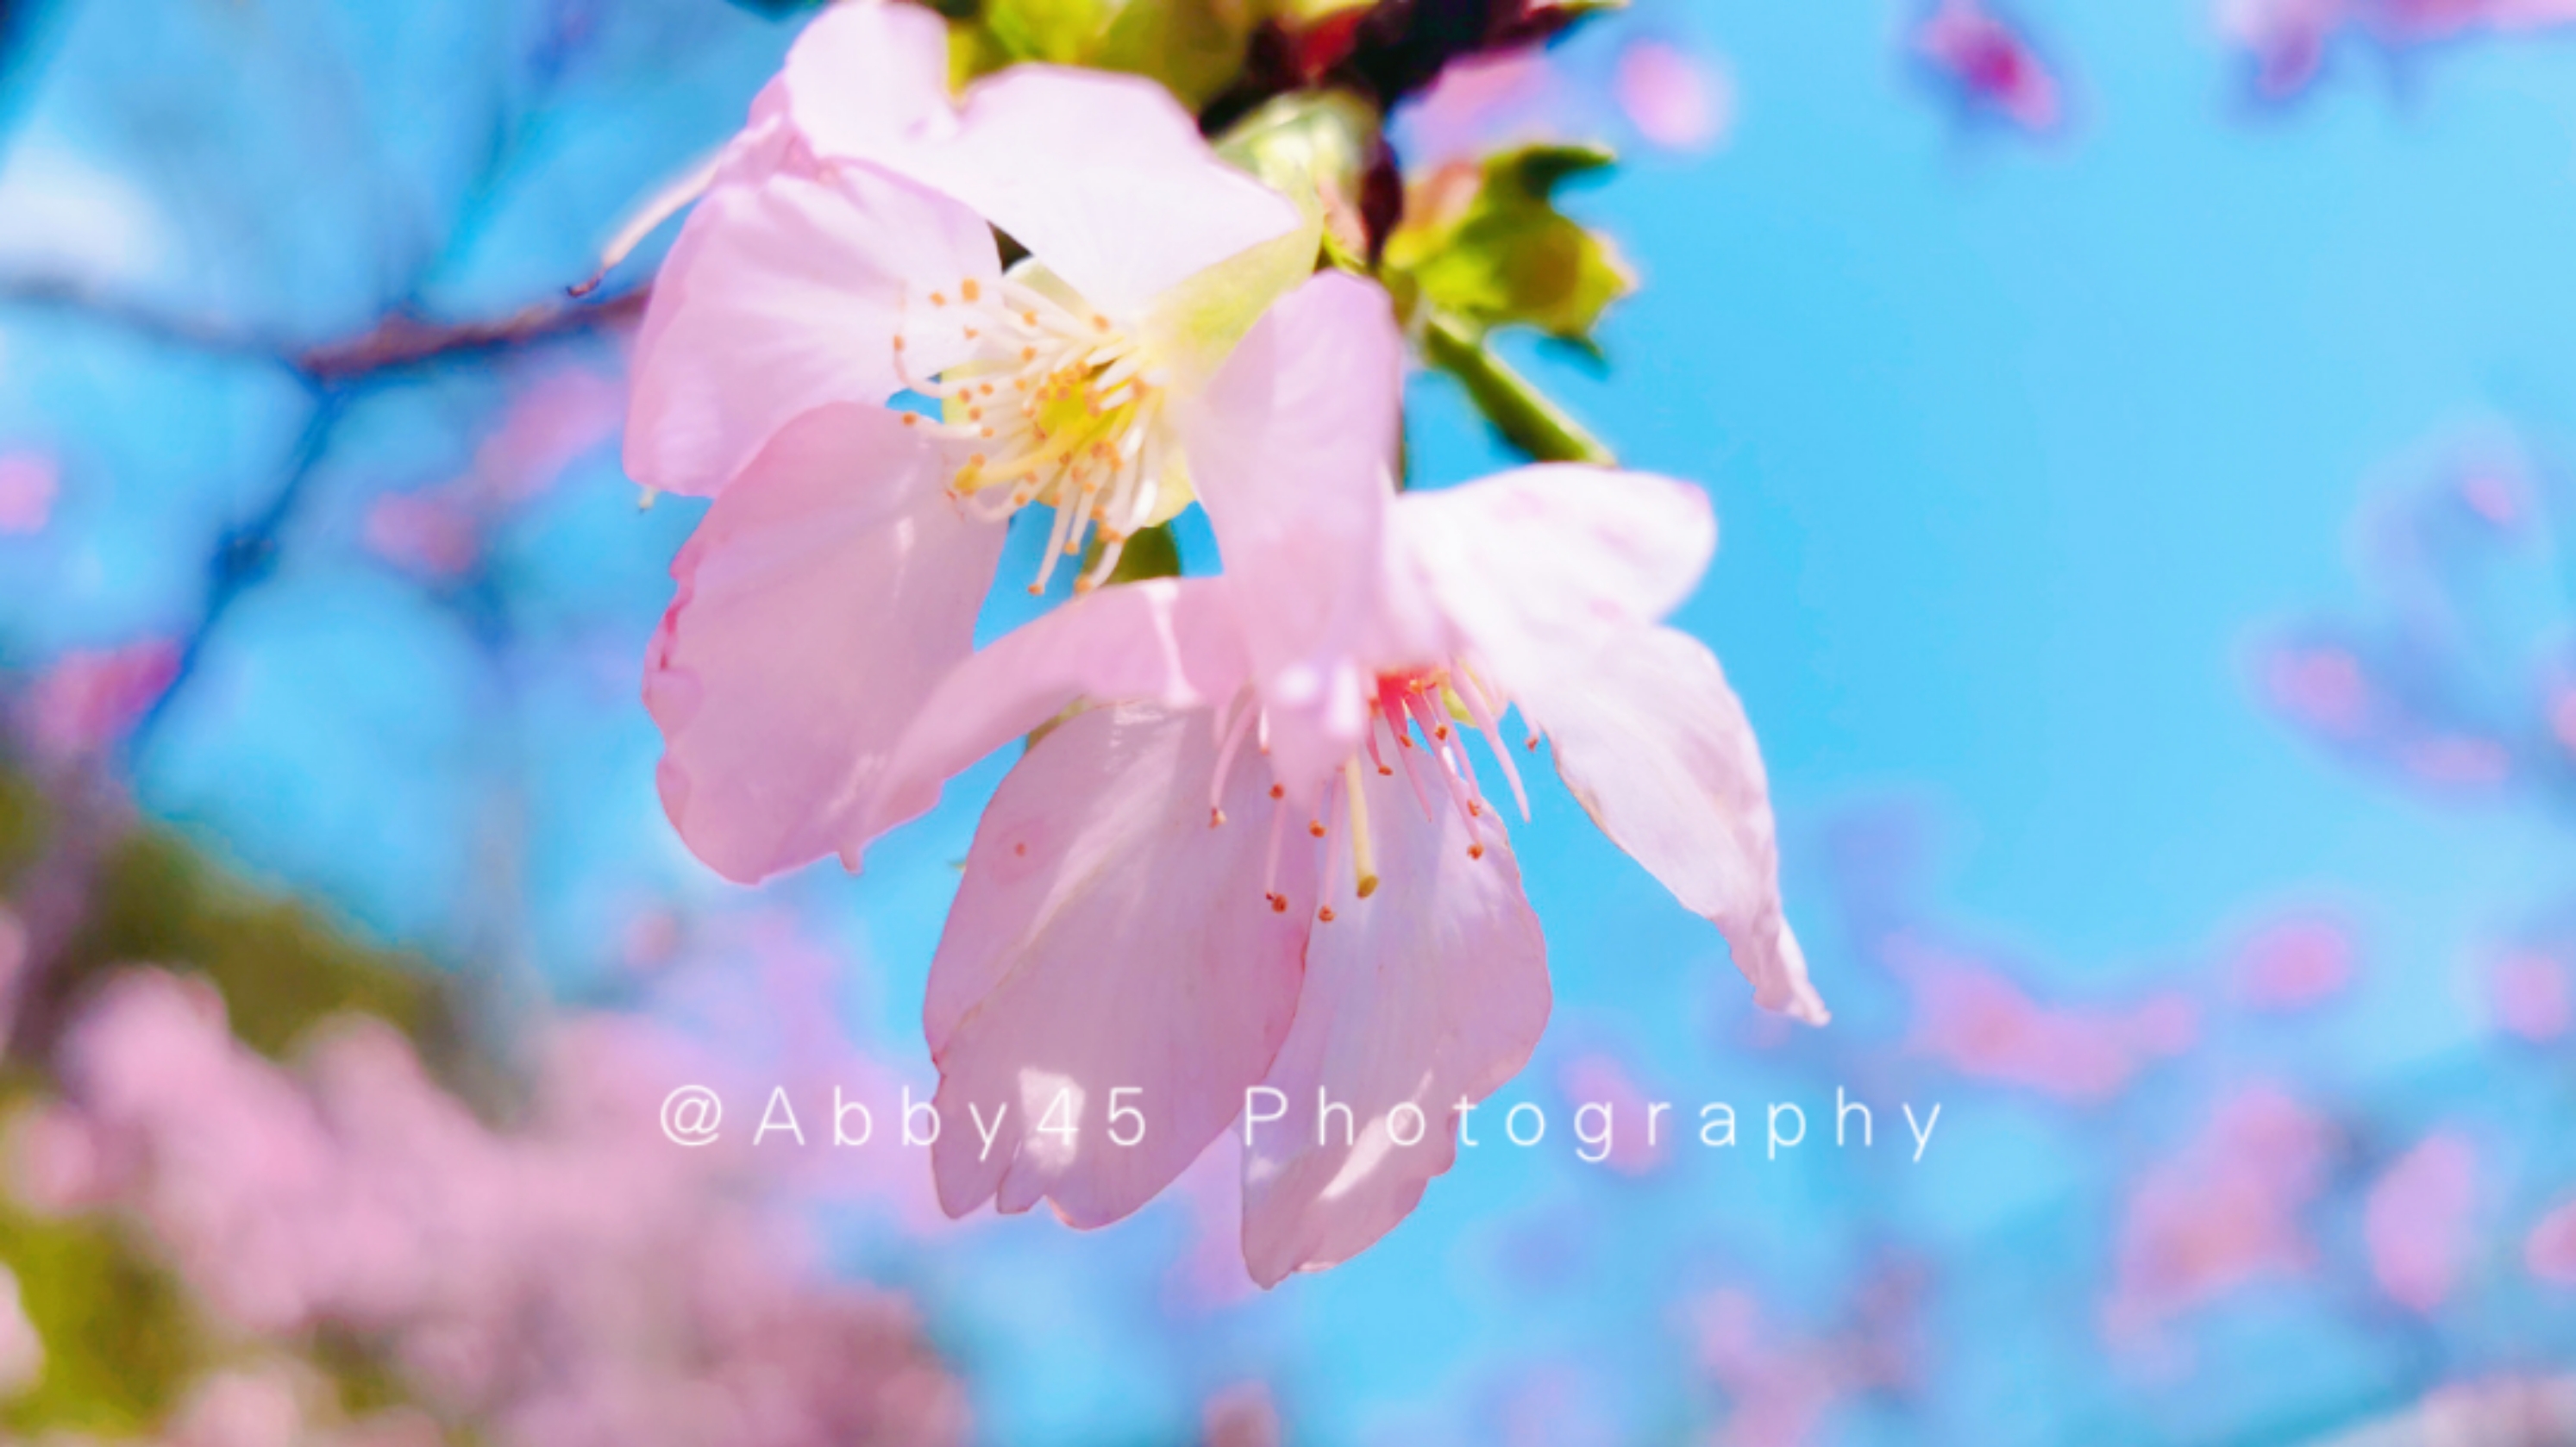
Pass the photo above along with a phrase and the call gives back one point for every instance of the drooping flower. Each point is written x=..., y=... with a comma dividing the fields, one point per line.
x=843, y=252
x=1266, y=857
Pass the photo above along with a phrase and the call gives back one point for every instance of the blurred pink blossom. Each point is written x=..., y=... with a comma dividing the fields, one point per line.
x=429, y=533
x=87, y=699
x=2322, y=687
x=2288, y=39
x=2502, y=497
x=1675, y=99
x=1782, y=1384
x=2562, y=715
x=550, y=423
x=1779, y=1388
x=1482, y=103
x=1241, y=1416
x=2457, y=761
x=553, y=422
x=28, y=482
x=2222, y=1212
x=2550, y=1250
x=579, y=1280
x=1989, y=64
x=285, y=1404
x=1656, y=89
x=1980, y=1023
x=2529, y=993
x=2293, y=964
x=2417, y=1220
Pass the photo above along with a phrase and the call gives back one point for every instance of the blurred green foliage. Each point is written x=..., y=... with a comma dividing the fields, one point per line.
x=122, y=1340
x=1194, y=47
x=281, y=969
x=1486, y=247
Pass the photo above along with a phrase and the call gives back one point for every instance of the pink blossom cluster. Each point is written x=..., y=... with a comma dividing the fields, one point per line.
x=2453, y=688
x=1251, y=842
x=572, y=1279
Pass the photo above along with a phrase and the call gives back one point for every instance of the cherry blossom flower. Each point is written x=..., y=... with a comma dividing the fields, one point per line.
x=844, y=252
x=1267, y=858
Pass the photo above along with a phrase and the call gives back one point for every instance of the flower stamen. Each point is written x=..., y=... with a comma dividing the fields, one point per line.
x=1363, y=854
x=1078, y=430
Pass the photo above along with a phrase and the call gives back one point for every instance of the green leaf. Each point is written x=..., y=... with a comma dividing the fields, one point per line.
x=1524, y=416
x=118, y=1335
x=1195, y=48
x=1487, y=247
x=1152, y=553
x=1061, y=32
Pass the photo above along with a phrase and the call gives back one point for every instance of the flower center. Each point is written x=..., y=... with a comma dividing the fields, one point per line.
x=1061, y=405
x=1410, y=724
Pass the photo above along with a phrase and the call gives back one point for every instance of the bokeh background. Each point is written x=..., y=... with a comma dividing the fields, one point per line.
x=2139, y=436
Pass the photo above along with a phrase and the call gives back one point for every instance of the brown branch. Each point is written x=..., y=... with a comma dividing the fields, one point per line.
x=402, y=340
x=399, y=340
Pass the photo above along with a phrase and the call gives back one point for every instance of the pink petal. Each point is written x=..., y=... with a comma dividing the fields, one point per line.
x=1291, y=452
x=1171, y=642
x=1534, y=561
x=782, y=294
x=1657, y=749
x=1554, y=574
x=1432, y=990
x=1104, y=178
x=865, y=72
x=1107, y=936
x=820, y=600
